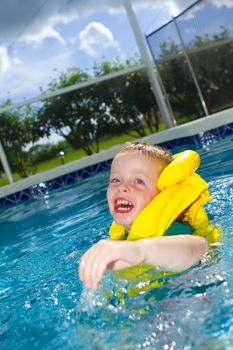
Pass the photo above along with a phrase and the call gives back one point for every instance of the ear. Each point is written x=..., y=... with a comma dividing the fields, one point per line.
x=182, y=166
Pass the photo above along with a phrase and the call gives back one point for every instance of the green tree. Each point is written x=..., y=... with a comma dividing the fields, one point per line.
x=79, y=116
x=211, y=58
x=17, y=130
x=129, y=99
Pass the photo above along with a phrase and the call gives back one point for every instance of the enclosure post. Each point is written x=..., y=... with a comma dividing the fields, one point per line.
x=5, y=164
x=190, y=67
x=166, y=115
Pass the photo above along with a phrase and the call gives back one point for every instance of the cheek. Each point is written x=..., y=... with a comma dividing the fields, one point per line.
x=146, y=199
x=109, y=195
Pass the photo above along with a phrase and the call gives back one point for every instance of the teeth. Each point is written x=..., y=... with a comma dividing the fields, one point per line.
x=123, y=202
x=123, y=205
x=123, y=209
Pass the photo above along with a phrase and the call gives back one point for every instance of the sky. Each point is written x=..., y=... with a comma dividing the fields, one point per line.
x=39, y=39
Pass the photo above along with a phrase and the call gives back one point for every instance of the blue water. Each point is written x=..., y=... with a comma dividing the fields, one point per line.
x=43, y=304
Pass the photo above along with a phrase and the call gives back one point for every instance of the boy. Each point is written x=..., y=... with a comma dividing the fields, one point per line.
x=132, y=186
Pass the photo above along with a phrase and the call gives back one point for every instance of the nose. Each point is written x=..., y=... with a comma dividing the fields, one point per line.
x=123, y=187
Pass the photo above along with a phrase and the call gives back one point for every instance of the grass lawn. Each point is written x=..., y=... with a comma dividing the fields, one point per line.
x=4, y=180
x=76, y=154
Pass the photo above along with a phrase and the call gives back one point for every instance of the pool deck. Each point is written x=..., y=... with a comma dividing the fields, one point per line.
x=196, y=127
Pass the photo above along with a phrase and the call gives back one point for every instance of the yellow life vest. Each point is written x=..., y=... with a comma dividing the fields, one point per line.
x=182, y=196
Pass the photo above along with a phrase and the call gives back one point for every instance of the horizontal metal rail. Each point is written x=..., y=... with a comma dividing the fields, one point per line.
x=192, y=51
x=72, y=88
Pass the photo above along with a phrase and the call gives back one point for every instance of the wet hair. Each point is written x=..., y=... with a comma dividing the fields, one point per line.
x=148, y=149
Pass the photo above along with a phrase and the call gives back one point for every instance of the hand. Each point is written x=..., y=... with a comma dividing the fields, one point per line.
x=108, y=254
x=172, y=253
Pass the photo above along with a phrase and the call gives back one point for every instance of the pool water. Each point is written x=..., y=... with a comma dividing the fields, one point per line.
x=43, y=305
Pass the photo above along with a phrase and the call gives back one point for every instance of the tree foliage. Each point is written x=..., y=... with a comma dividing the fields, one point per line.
x=211, y=58
x=17, y=129
x=83, y=116
x=79, y=116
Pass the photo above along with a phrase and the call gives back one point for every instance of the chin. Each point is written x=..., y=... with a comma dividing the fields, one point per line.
x=127, y=222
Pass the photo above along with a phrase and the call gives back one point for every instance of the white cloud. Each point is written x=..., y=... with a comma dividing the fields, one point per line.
x=32, y=78
x=192, y=12
x=38, y=37
x=227, y=3
x=6, y=62
x=72, y=40
x=172, y=7
x=95, y=37
x=34, y=22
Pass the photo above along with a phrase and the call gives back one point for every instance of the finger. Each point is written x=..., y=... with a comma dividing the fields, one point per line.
x=81, y=268
x=105, y=256
x=88, y=270
x=102, y=266
x=84, y=264
x=94, y=281
x=88, y=264
x=97, y=265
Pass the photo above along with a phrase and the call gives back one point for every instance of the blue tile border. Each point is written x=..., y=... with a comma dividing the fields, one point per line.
x=200, y=140
x=64, y=180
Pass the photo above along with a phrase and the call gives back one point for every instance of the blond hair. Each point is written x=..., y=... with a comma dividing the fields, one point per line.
x=148, y=149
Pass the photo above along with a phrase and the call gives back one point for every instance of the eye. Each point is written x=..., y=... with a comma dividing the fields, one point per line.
x=139, y=181
x=114, y=180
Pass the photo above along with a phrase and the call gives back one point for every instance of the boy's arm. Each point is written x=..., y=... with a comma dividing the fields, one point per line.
x=175, y=253
x=172, y=253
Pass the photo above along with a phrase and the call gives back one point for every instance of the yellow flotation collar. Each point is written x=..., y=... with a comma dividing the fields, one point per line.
x=183, y=194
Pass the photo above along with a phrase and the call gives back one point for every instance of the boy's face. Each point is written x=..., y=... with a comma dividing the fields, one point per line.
x=132, y=185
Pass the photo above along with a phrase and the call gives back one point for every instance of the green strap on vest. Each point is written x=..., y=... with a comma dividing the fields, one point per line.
x=179, y=228
x=176, y=228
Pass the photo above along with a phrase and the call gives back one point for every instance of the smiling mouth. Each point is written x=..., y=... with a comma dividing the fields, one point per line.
x=123, y=206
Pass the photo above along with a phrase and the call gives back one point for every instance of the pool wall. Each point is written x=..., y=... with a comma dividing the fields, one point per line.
x=195, y=133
